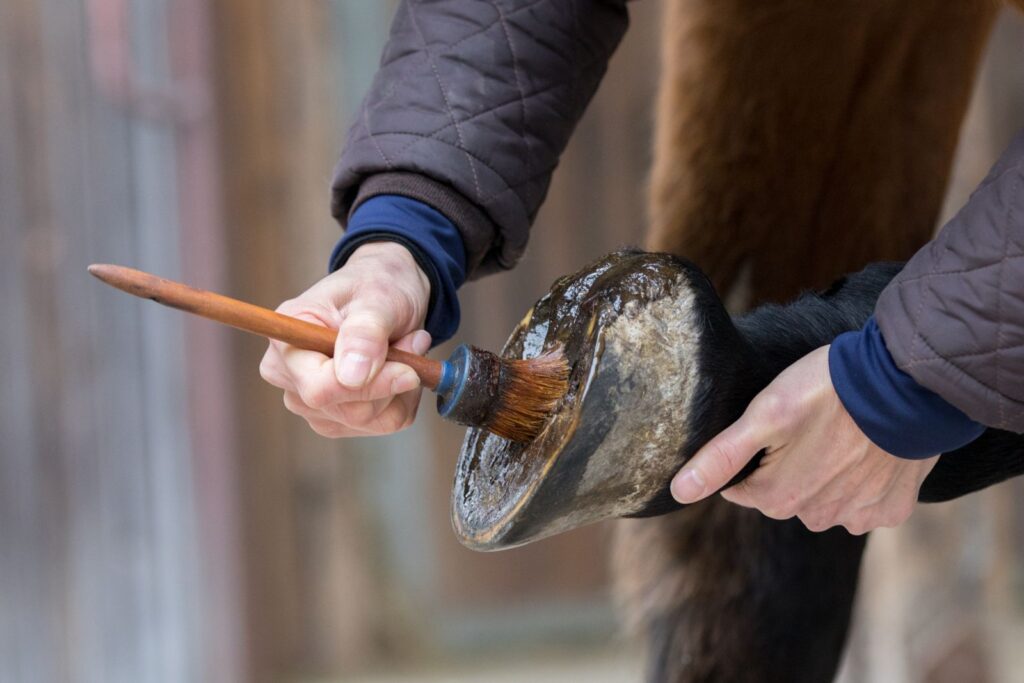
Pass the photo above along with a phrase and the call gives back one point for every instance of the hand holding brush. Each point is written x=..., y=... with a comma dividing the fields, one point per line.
x=509, y=397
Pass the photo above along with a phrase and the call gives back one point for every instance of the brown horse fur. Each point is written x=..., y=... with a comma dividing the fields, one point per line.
x=796, y=140
x=801, y=139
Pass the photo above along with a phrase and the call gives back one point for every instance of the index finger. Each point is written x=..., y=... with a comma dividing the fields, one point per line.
x=718, y=461
x=312, y=377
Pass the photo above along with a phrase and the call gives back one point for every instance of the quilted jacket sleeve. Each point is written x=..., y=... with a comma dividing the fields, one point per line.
x=954, y=318
x=471, y=107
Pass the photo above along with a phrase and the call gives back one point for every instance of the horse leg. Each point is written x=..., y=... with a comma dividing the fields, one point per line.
x=795, y=141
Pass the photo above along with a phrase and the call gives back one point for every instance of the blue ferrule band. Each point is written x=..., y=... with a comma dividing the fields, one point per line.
x=447, y=381
x=453, y=380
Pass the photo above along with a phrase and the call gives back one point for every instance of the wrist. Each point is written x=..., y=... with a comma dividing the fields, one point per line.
x=896, y=413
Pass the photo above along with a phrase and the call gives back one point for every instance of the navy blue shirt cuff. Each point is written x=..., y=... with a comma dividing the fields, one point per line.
x=899, y=415
x=430, y=237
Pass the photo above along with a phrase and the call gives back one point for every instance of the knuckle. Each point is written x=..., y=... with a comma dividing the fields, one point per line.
x=311, y=397
x=775, y=511
x=744, y=495
x=391, y=421
x=890, y=522
x=781, y=508
x=770, y=406
x=815, y=522
x=724, y=456
x=380, y=387
x=735, y=493
x=786, y=511
x=316, y=395
x=290, y=307
x=898, y=515
x=370, y=393
x=271, y=371
x=292, y=405
x=410, y=414
x=778, y=501
x=285, y=306
x=266, y=368
x=857, y=527
x=324, y=429
x=356, y=414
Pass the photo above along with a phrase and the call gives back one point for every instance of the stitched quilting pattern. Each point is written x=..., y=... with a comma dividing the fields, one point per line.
x=954, y=318
x=482, y=96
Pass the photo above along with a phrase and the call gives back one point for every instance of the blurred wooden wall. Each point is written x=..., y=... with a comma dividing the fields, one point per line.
x=116, y=503
x=310, y=592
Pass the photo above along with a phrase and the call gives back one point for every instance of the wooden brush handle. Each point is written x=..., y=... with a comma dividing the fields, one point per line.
x=247, y=317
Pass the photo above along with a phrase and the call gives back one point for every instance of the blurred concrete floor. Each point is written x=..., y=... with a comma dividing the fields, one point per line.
x=604, y=666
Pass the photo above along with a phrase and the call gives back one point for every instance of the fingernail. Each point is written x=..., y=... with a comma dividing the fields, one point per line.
x=407, y=381
x=688, y=486
x=421, y=342
x=354, y=369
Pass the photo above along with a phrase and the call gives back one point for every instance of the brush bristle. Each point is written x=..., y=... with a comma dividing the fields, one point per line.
x=531, y=390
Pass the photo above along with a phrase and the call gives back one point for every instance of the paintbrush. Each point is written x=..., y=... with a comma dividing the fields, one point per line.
x=509, y=397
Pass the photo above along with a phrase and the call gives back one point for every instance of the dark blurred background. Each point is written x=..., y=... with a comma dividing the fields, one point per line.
x=163, y=518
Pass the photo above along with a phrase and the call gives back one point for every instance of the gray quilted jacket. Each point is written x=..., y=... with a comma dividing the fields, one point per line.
x=475, y=100
x=953, y=319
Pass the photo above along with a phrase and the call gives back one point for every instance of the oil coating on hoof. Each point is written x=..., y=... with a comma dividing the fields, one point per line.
x=631, y=326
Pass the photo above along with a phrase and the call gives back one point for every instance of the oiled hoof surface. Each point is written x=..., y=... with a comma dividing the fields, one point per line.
x=626, y=323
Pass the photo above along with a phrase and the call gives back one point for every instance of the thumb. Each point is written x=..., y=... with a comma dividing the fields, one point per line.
x=721, y=459
x=362, y=343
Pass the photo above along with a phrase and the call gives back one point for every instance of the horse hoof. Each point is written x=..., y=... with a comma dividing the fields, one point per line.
x=634, y=327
